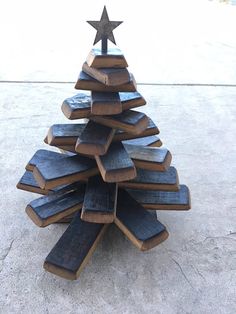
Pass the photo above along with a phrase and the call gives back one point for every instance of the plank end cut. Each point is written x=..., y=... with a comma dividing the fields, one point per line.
x=114, y=58
x=105, y=103
x=77, y=106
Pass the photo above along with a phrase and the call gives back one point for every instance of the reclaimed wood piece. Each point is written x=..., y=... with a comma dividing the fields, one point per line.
x=163, y=200
x=153, y=180
x=141, y=227
x=79, y=106
x=105, y=103
x=64, y=133
x=28, y=183
x=74, y=249
x=116, y=165
x=68, y=170
x=95, y=139
x=152, y=141
x=99, y=201
x=150, y=158
x=57, y=205
x=114, y=58
x=86, y=82
x=108, y=76
x=130, y=121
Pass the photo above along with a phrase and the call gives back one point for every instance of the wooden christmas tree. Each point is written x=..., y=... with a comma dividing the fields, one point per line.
x=113, y=170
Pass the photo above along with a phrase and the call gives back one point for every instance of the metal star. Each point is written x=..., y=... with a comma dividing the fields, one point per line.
x=104, y=29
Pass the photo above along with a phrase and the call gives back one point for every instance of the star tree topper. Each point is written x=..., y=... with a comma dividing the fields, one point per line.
x=104, y=29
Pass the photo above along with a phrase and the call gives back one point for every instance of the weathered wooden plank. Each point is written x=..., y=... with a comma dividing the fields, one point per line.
x=105, y=103
x=28, y=183
x=99, y=201
x=68, y=170
x=163, y=200
x=141, y=227
x=150, y=158
x=154, y=180
x=64, y=133
x=57, y=205
x=86, y=82
x=152, y=141
x=116, y=166
x=130, y=121
x=114, y=58
x=79, y=106
x=73, y=250
x=95, y=139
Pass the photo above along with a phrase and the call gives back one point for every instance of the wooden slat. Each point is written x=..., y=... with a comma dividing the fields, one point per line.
x=152, y=141
x=105, y=103
x=130, y=121
x=99, y=201
x=95, y=139
x=68, y=170
x=86, y=82
x=28, y=183
x=74, y=249
x=141, y=227
x=108, y=76
x=114, y=58
x=64, y=133
x=150, y=158
x=116, y=166
x=163, y=200
x=131, y=100
x=57, y=205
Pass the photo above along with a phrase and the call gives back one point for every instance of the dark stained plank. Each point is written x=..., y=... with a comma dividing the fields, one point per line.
x=163, y=200
x=108, y=76
x=57, y=205
x=114, y=58
x=68, y=170
x=74, y=249
x=154, y=180
x=152, y=141
x=140, y=226
x=28, y=183
x=59, y=134
x=130, y=121
x=131, y=100
x=150, y=158
x=86, y=82
x=99, y=201
x=95, y=139
x=116, y=166
x=105, y=103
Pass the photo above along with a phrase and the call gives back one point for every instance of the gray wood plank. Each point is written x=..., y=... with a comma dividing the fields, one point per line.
x=60, y=134
x=114, y=58
x=152, y=141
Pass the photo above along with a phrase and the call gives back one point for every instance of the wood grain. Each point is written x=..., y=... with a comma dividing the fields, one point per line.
x=163, y=200
x=86, y=82
x=95, y=139
x=116, y=166
x=113, y=59
x=28, y=183
x=141, y=227
x=73, y=250
x=105, y=103
x=99, y=201
x=61, y=134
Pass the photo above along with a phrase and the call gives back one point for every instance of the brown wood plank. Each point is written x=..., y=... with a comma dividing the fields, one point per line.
x=57, y=205
x=131, y=100
x=74, y=249
x=68, y=170
x=116, y=166
x=99, y=201
x=95, y=139
x=129, y=121
x=59, y=134
x=140, y=226
x=86, y=82
x=105, y=103
x=114, y=58
x=163, y=200
x=150, y=158
x=152, y=141
x=153, y=180
x=28, y=183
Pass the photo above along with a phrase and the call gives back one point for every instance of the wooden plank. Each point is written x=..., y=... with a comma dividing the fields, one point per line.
x=68, y=170
x=153, y=180
x=163, y=200
x=116, y=166
x=86, y=82
x=150, y=158
x=129, y=121
x=59, y=134
x=152, y=141
x=108, y=76
x=140, y=226
x=57, y=205
x=95, y=139
x=105, y=103
x=114, y=58
x=28, y=183
x=99, y=201
x=74, y=249
x=79, y=106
